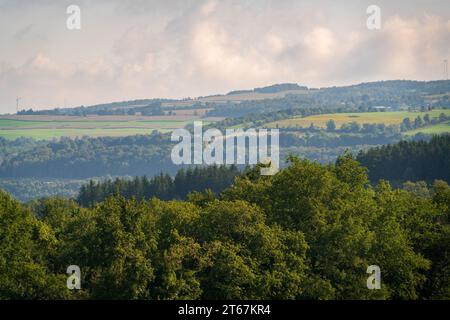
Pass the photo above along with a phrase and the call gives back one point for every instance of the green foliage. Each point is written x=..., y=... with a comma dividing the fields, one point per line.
x=409, y=160
x=349, y=225
x=308, y=232
x=24, y=273
x=163, y=186
x=331, y=125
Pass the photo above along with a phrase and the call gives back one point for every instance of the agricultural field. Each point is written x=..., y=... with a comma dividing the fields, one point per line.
x=435, y=97
x=436, y=129
x=251, y=96
x=48, y=127
x=364, y=117
x=237, y=97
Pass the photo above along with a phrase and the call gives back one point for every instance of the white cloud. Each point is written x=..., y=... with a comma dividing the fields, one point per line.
x=206, y=47
x=321, y=42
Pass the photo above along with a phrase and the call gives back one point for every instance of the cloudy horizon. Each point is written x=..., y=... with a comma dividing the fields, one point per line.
x=135, y=49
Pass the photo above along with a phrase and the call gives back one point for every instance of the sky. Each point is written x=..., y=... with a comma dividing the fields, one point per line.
x=136, y=49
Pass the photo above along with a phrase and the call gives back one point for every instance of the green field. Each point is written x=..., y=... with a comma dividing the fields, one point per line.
x=156, y=124
x=46, y=134
x=436, y=129
x=364, y=117
x=40, y=128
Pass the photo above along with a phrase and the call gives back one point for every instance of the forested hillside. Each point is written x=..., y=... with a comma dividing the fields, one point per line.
x=150, y=154
x=309, y=232
x=163, y=186
x=409, y=160
x=31, y=169
x=360, y=97
x=91, y=157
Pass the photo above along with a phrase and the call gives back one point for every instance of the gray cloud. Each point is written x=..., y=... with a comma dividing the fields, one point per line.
x=140, y=49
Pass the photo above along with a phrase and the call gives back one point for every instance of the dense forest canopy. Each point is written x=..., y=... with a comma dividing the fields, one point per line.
x=163, y=186
x=409, y=160
x=31, y=169
x=91, y=157
x=308, y=232
x=149, y=155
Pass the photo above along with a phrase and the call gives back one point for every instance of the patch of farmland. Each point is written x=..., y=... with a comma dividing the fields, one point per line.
x=251, y=96
x=48, y=134
x=245, y=96
x=48, y=127
x=99, y=118
x=363, y=117
x=435, y=129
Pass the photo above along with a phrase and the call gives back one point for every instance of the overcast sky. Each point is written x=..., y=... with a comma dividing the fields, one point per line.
x=133, y=49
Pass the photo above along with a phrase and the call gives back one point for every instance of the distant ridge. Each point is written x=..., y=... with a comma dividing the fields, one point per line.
x=272, y=89
x=158, y=106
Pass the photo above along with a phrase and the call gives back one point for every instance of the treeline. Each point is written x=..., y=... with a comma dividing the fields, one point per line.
x=149, y=110
x=323, y=139
x=272, y=89
x=406, y=125
x=308, y=232
x=139, y=155
x=91, y=157
x=418, y=122
x=163, y=186
x=409, y=160
x=363, y=97
x=392, y=93
x=268, y=110
x=257, y=118
x=147, y=106
x=27, y=189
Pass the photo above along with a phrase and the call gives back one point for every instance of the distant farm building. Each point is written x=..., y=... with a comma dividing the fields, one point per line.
x=381, y=108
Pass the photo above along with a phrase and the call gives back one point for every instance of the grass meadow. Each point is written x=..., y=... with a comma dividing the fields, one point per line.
x=364, y=117
x=64, y=126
